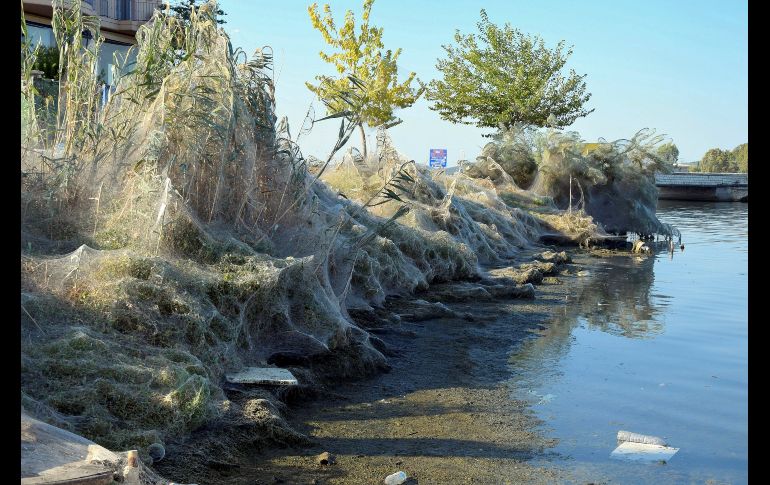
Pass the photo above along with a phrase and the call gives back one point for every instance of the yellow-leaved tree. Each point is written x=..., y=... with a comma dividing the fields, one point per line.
x=368, y=83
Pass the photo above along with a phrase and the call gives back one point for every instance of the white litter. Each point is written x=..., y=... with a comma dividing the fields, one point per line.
x=640, y=438
x=263, y=375
x=395, y=479
x=643, y=452
x=639, y=447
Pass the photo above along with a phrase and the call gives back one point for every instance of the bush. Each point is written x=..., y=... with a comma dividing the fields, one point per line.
x=48, y=62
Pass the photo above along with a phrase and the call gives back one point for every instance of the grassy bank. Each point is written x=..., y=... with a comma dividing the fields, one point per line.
x=177, y=233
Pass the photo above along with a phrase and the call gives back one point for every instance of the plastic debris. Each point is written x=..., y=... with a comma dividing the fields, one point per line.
x=156, y=452
x=639, y=447
x=641, y=452
x=395, y=479
x=640, y=438
x=640, y=247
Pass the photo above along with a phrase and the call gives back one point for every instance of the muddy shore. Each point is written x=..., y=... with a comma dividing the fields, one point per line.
x=442, y=414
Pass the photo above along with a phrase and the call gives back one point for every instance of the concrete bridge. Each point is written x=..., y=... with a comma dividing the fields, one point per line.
x=720, y=187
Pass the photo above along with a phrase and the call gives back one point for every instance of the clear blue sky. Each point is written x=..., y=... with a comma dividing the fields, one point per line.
x=678, y=67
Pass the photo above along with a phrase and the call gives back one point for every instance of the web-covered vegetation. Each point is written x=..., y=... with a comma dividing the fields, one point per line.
x=613, y=182
x=176, y=233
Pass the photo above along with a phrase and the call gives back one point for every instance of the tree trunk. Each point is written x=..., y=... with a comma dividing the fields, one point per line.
x=363, y=140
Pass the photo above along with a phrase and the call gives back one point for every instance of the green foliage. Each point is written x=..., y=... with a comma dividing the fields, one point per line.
x=180, y=18
x=669, y=152
x=503, y=76
x=364, y=68
x=512, y=149
x=741, y=156
x=183, y=8
x=77, y=72
x=717, y=160
x=28, y=92
x=48, y=61
x=28, y=52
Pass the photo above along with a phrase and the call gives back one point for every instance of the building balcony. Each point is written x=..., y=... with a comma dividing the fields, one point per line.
x=119, y=16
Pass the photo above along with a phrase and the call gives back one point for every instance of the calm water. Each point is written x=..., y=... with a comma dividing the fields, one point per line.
x=655, y=345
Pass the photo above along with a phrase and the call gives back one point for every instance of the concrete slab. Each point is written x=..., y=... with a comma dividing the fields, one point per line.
x=263, y=376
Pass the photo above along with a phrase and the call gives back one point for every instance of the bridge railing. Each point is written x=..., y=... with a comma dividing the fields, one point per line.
x=701, y=179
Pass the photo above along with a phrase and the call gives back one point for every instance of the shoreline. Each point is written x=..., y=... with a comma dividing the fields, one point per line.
x=442, y=413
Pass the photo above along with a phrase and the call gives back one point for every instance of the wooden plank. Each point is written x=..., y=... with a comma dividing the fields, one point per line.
x=49, y=453
x=78, y=473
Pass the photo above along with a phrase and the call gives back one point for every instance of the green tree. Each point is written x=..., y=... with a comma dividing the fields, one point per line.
x=717, y=160
x=364, y=69
x=47, y=60
x=741, y=156
x=668, y=152
x=503, y=76
x=183, y=8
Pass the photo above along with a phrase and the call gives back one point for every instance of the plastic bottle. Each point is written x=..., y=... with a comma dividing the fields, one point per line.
x=640, y=438
x=395, y=479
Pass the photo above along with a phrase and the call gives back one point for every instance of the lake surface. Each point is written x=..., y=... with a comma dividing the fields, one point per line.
x=656, y=345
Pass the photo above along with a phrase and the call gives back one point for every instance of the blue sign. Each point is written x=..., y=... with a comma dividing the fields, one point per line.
x=437, y=158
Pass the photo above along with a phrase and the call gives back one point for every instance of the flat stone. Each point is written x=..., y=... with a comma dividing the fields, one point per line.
x=521, y=276
x=420, y=310
x=459, y=293
x=553, y=257
x=509, y=291
x=546, y=268
x=263, y=375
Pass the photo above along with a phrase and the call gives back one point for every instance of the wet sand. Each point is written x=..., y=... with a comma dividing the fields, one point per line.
x=443, y=414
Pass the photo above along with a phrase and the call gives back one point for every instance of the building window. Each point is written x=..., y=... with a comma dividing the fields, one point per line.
x=124, y=10
x=111, y=57
x=40, y=34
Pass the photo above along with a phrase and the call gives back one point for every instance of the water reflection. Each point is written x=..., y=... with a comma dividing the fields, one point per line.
x=615, y=298
x=654, y=346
